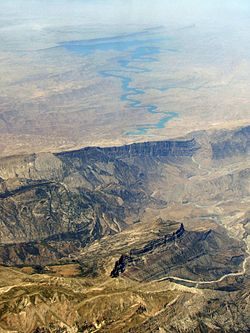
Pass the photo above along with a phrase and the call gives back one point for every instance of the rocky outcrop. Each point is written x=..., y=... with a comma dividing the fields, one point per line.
x=124, y=260
x=54, y=206
x=94, y=192
x=120, y=266
x=158, y=242
x=172, y=148
x=232, y=143
x=186, y=254
x=78, y=195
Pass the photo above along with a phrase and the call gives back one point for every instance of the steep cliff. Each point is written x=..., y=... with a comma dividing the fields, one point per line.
x=76, y=197
x=70, y=220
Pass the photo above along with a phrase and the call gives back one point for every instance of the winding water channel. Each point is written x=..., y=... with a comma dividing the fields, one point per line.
x=134, y=52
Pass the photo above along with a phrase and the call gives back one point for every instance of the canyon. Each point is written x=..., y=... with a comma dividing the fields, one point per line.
x=132, y=232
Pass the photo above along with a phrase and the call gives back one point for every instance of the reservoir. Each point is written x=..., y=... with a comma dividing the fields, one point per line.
x=135, y=52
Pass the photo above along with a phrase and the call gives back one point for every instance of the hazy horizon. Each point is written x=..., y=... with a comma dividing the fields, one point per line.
x=184, y=69
x=38, y=16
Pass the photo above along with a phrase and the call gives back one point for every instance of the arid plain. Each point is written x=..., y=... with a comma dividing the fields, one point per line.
x=63, y=85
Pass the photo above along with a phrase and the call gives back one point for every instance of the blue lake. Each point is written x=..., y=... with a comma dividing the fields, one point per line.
x=134, y=52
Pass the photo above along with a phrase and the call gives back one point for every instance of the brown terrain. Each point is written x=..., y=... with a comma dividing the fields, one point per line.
x=148, y=237
x=124, y=166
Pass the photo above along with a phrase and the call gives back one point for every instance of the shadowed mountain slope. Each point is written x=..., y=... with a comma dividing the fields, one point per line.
x=150, y=237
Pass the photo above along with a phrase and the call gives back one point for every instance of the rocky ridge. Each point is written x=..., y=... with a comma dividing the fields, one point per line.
x=70, y=219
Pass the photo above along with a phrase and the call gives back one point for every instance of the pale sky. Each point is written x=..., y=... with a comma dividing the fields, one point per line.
x=39, y=19
x=126, y=11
